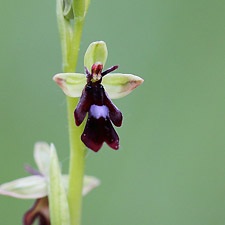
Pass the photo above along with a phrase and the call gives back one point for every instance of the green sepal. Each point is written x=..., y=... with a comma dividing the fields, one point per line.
x=118, y=85
x=96, y=52
x=90, y=183
x=72, y=84
x=34, y=187
x=59, y=209
x=31, y=187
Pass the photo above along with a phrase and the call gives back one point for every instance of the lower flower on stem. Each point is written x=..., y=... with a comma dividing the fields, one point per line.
x=36, y=186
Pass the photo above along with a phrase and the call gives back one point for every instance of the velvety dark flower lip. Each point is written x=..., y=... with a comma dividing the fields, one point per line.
x=101, y=111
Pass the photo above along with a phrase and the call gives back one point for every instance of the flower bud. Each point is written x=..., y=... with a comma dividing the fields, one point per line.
x=67, y=6
x=79, y=9
x=74, y=8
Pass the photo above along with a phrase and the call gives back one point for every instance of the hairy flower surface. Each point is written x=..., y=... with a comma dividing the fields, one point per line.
x=96, y=89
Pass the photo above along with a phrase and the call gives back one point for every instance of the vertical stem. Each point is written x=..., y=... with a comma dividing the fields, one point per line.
x=77, y=164
x=77, y=148
x=74, y=47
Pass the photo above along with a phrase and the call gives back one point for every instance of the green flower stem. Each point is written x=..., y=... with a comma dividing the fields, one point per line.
x=77, y=148
x=77, y=165
x=74, y=47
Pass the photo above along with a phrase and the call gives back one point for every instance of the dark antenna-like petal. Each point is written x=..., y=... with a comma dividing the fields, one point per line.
x=111, y=69
x=88, y=74
x=31, y=170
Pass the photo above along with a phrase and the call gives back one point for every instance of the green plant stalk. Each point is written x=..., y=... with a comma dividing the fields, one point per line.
x=77, y=148
x=77, y=165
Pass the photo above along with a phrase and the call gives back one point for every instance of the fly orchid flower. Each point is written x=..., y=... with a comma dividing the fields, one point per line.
x=96, y=89
x=43, y=185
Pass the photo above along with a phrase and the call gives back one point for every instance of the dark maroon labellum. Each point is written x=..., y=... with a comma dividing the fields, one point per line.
x=101, y=111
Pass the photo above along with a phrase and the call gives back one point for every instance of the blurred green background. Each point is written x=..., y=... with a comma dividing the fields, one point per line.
x=170, y=169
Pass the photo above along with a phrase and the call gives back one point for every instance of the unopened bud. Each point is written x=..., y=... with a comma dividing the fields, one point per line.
x=68, y=9
x=79, y=9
